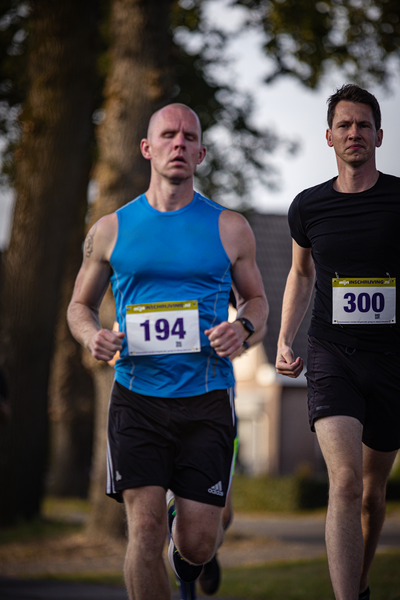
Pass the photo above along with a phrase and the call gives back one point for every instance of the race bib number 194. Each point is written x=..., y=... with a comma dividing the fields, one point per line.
x=363, y=301
x=163, y=328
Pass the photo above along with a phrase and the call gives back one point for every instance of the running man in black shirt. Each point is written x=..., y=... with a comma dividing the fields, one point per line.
x=345, y=237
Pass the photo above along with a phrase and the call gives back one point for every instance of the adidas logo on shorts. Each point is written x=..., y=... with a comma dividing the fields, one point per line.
x=216, y=489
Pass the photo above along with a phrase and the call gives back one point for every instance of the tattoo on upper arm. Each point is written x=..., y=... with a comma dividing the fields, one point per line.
x=89, y=242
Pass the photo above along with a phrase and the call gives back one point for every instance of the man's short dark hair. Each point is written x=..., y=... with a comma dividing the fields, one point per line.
x=353, y=93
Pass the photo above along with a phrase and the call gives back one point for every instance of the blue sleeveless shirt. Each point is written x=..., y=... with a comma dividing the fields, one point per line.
x=170, y=257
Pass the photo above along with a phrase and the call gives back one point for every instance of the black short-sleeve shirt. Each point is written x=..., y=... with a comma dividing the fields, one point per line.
x=350, y=235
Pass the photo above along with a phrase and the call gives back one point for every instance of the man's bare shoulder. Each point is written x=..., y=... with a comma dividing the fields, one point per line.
x=236, y=234
x=101, y=238
x=233, y=223
x=231, y=218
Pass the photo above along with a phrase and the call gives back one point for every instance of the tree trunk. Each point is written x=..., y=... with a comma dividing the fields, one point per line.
x=52, y=165
x=71, y=391
x=138, y=84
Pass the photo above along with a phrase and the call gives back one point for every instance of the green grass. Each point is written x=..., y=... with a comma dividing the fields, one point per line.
x=39, y=528
x=285, y=581
x=306, y=580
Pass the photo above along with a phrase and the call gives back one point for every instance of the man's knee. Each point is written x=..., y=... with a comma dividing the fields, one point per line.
x=197, y=530
x=374, y=499
x=346, y=486
x=198, y=548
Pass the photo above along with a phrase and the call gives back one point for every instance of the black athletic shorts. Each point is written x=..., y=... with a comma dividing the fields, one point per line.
x=356, y=383
x=182, y=444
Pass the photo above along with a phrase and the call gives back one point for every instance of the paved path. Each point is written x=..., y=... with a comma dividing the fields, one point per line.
x=20, y=589
x=254, y=540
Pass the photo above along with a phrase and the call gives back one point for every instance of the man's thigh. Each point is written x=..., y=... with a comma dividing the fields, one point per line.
x=195, y=518
x=382, y=420
x=203, y=465
x=356, y=383
x=332, y=386
x=139, y=444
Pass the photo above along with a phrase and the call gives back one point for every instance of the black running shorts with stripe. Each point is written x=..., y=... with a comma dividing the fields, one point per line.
x=182, y=444
x=356, y=383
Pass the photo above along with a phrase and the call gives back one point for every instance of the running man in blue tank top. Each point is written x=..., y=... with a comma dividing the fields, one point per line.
x=171, y=256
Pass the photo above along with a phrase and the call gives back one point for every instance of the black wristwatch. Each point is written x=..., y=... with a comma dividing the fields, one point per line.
x=248, y=325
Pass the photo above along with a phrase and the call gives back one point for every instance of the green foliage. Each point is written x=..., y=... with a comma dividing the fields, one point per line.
x=306, y=38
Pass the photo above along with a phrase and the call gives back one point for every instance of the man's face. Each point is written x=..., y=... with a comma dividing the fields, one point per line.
x=174, y=143
x=353, y=134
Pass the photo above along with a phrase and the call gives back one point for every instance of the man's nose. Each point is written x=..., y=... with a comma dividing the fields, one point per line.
x=179, y=140
x=354, y=130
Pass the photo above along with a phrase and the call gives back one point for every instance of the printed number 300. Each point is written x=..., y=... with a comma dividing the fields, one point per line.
x=364, y=302
x=162, y=328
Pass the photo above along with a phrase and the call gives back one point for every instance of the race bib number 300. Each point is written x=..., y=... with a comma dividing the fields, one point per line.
x=163, y=328
x=363, y=301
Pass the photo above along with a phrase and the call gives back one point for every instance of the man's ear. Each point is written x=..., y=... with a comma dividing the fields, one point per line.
x=145, y=148
x=379, y=138
x=328, y=136
x=202, y=155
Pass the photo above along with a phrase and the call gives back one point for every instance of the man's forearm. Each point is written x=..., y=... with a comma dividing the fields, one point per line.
x=83, y=322
x=296, y=300
x=256, y=310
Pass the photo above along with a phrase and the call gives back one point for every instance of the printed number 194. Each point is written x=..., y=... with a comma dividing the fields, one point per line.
x=162, y=329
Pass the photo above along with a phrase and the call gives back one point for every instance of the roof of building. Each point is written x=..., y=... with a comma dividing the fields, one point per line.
x=274, y=257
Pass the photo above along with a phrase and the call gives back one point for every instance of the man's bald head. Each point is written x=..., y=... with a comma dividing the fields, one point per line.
x=169, y=109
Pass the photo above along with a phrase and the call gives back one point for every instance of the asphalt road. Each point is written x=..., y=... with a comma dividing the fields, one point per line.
x=308, y=530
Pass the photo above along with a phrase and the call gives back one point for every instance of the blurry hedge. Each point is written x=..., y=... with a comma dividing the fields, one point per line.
x=285, y=494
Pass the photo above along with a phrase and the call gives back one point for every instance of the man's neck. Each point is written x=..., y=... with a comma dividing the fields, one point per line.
x=169, y=197
x=352, y=180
